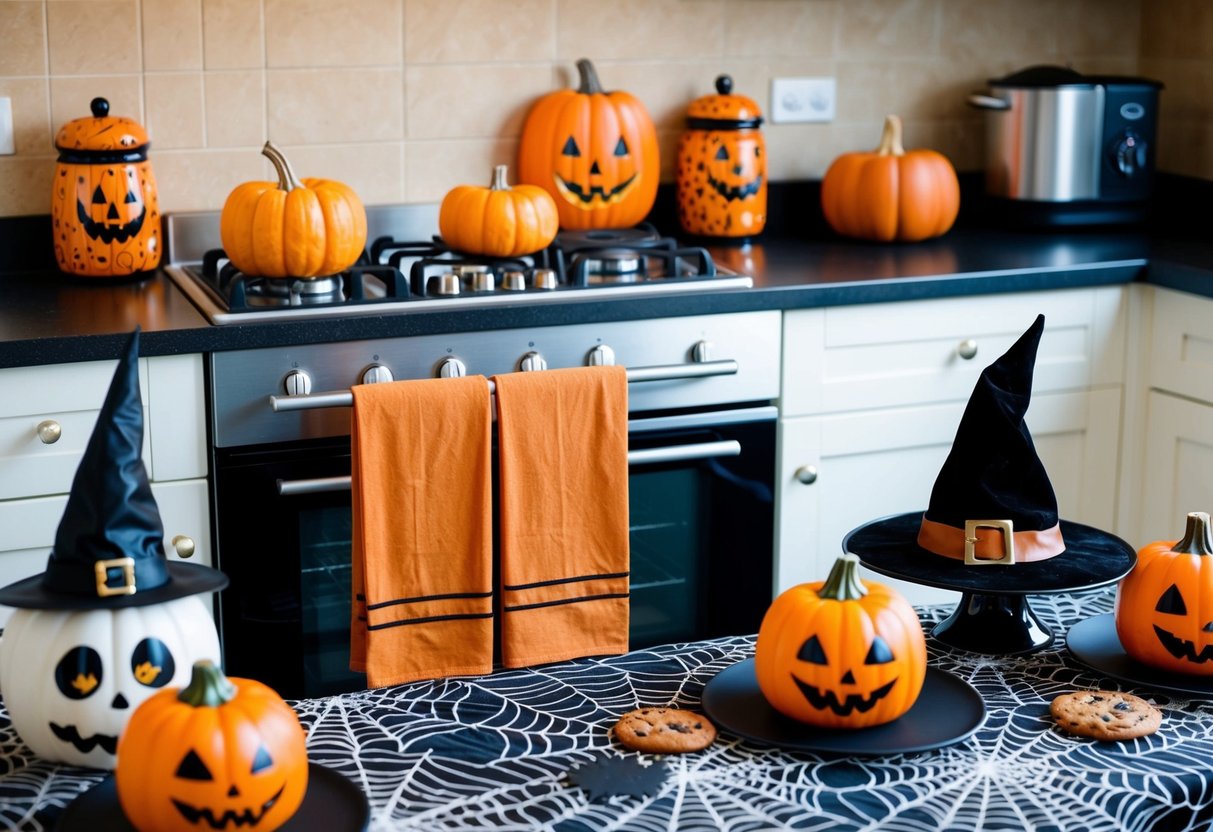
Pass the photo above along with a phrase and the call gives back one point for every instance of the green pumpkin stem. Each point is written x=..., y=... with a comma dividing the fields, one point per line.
x=499, y=181
x=208, y=687
x=843, y=584
x=287, y=180
x=890, y=138
x=1198, y=538
x=589, y=78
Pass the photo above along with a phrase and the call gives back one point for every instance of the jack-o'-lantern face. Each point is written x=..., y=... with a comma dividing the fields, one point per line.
x=721, y=183
x=1196, y=643
x=848, y=686
x=232, y=791
x=114, y=211
x=736, y=169
x=594, y=178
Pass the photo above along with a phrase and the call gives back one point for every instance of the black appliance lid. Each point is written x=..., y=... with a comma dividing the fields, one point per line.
x=1048, y=75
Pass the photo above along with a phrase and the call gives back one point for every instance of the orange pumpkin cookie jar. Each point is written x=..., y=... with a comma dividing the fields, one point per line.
x=104, y=210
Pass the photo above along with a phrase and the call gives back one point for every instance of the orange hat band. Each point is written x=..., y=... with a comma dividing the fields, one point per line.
x=1028, y=546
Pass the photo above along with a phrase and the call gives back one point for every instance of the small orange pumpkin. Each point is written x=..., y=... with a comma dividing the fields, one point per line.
x=292, y=228
x=498, y=221
x=219, y=753
x=595, y=152
x=1164, y=607
x=841, y=654
x=891, y=193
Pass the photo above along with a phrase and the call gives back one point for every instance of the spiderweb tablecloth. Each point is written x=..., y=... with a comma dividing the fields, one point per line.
x=494, y=752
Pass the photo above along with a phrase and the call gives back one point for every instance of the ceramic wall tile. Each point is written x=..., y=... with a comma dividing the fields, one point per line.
x=433, y=167
x=200, y=180
x=476, y=31
x=31, y=115
x=319, y=106
x=1177, y=29
x=374, y=171
x=307, y=33
x=889, y=29
x=70, y=97
x=665, y=30
x=172, y=34
x=235, y=108
x=232, y=34
x=471, y=101
x=93, y=37
x=23, y=33
x=174, y=109
x=771, y=28
x=27, y=188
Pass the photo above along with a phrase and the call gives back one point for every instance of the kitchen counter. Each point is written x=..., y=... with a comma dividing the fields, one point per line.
x=497, y=751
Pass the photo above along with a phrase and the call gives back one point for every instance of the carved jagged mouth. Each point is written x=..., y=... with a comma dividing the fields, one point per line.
x=109, y=233
x=731, y=192
x=845, y=707
x=248, y=817
x=1182, y=648
x=84, y=745
x=575, y=193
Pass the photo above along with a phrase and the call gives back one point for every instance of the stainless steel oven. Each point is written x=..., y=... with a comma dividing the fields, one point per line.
x=701, y=478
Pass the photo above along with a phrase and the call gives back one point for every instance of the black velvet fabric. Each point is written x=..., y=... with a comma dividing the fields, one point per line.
x=111, y=513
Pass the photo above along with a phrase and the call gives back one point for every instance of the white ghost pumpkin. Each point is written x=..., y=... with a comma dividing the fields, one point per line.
x=72, y=678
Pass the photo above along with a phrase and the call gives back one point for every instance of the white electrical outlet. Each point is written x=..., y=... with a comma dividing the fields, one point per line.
x=802, y=99
x=7, y=148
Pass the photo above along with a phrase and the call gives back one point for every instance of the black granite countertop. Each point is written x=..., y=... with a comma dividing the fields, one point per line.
x=48, y=317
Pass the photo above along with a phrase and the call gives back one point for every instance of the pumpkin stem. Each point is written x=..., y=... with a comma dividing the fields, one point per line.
x=843, y=584
x=208, y=687
x=286, y=176
x=890, y=138
x=499, y=183
x=1197, y=539
x=589, y=78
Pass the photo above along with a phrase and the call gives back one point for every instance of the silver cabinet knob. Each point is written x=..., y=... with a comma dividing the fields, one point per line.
x=49, y=431
x=532, y=361
x=183, y=546
x=967, y=349
x=806, y=474
x=377, y=374
x=602, y=356
x=452, y=368
x=702, y=352
x=297, y=383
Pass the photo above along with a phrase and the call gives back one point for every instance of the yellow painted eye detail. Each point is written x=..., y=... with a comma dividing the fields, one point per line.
x=85, y=684
x=146, y=673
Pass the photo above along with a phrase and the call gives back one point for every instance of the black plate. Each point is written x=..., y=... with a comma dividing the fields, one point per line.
x=1093, y=642
x=947, y=711
x=332, y=804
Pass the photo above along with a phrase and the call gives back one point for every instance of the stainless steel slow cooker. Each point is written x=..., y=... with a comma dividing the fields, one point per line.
x=1069, y=148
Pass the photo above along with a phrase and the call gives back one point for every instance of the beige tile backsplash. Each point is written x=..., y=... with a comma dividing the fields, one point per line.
x=404, y=99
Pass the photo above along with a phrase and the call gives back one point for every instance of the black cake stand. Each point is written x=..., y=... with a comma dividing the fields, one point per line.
x=993, y=615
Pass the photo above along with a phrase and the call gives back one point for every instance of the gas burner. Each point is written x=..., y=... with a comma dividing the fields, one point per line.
x=315, y=289
x=643, y=235
x=614, y=265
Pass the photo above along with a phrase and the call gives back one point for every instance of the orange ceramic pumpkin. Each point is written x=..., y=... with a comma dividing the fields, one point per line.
x=499, y=221
x=722, y=166
x=1164, y=607
x=891, y=193
x=841, y=654
x=595, y=152
x=105, y=213
x=292, y=228
x=218, y=754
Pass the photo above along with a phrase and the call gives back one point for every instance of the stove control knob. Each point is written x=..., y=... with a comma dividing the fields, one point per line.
x=297, y=383
x=376, y=374
x=602, y=356
x=448, y=284
x=513, y=281
x=532, y=361
x=484, y=281
x=702, y=352
x=452, y=368
x=544, y=279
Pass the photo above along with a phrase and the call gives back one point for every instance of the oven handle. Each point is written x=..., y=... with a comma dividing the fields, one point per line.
x=663, y=372
x=646, y=456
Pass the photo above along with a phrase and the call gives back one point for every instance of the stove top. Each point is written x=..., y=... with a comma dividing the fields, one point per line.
x=408, y=268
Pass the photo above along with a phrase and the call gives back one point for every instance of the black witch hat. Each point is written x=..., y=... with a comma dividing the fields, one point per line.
x=109, y=548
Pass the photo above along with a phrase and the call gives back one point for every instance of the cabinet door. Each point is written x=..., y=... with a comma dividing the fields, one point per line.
x=877, y=463
x=1178, y=465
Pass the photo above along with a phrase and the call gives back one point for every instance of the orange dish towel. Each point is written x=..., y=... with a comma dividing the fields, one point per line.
x=423, y=543
x=563, y=446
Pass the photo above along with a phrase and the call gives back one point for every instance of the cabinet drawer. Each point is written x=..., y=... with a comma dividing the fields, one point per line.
x=894, y=354
x=1181, y=344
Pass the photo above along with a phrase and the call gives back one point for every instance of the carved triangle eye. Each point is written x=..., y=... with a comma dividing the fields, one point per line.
x=811, y=651
x=621, y=147
x=1172, y=602
x=879, y=652
x=570, y=148
x=722, y=154
x=262, y=761
x=192, y=768
x=98, y=196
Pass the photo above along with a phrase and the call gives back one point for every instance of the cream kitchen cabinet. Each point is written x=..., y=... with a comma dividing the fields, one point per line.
x=47, y=415
x=1177, y=456
x=872, y=395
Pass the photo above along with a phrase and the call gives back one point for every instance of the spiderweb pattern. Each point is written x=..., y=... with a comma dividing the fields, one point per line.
x=494, y=752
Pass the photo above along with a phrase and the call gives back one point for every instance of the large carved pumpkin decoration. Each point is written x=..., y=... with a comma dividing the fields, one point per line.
x=840, y=653
x=891, y=193
x=722, y=166
x=293, y=227
x=595, y=152
x=499, y=221
x=105, y=213
x=1164, y=607
x=71, y=679
x=219, y=754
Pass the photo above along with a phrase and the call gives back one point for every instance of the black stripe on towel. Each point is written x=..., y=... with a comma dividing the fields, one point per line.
x=406, y=621
x=419, y=598
x=601, y=577
x=567, y=601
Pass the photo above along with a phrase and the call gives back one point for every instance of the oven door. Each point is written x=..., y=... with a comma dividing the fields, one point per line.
x=701, y=491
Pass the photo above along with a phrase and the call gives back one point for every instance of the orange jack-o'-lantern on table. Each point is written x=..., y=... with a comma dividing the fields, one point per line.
x=104, y=209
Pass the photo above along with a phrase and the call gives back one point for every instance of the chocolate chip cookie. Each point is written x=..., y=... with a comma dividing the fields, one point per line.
x=664, y=730
x=1105, y=715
